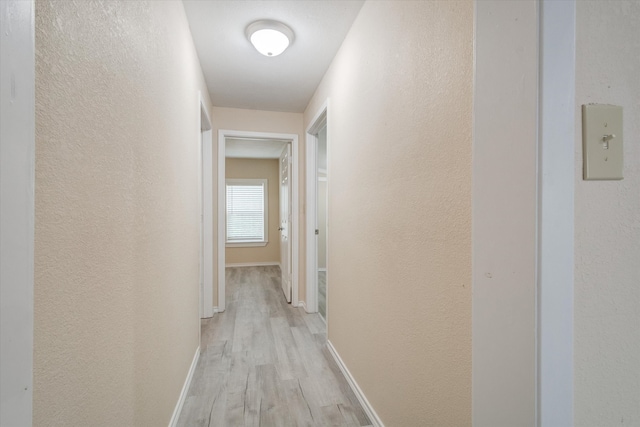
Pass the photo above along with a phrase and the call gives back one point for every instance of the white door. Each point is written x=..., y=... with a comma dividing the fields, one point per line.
x=285, y=220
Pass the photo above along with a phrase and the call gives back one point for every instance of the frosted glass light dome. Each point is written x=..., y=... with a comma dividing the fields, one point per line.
x=270, y=38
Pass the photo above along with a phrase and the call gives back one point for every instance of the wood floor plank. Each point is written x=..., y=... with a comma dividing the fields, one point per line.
x=315, y=324
x=322, y=294
x=352, y=415
x=264, y=363
x=298, y=404
x=194, y=412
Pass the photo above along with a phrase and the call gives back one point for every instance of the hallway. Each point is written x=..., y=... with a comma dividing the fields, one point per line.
x=477, y=278
x=265, y=363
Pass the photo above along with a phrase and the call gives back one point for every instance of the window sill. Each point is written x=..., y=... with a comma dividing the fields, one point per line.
x=245, y=244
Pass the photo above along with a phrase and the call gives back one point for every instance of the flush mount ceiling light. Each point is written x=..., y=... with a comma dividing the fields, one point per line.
x=270, y=38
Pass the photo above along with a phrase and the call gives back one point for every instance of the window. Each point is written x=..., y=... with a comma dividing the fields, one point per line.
x=247, y=212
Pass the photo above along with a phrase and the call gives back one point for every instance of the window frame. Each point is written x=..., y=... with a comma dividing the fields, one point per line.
x=265, y=188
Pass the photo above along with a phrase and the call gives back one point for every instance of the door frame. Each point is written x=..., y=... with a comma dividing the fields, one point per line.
x=17, y=157
x=320, y=119
x=223, y=134
x=205, y=142
x=555, y=212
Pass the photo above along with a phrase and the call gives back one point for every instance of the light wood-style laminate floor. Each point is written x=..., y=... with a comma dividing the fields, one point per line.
x=322, y=293
x=265, y=363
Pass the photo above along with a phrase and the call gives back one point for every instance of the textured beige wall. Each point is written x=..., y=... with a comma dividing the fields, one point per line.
x=505, y=136
x=117, y=212
x=258, y=169
x=607, y=224
x=400, y=262
x=260, y=121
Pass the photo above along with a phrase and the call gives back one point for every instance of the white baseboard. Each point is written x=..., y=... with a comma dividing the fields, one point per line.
x=303, y=305
x=251, y=264
x=368, y=409
x=322, y=269
x=185, y=390
x=213, y=311
x=216, y=310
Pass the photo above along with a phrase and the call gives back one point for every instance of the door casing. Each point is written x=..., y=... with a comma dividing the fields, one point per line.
x=206, y=211
x=17, y=201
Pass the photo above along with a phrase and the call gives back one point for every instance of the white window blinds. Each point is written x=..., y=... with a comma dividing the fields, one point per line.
x=246, y=210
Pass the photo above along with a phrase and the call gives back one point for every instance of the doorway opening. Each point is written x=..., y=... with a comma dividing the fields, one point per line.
x=317, y=177
x=321, y=220
x=273, y=201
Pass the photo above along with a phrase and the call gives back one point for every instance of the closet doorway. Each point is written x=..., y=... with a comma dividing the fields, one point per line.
x=321, y=220
x=317, y=219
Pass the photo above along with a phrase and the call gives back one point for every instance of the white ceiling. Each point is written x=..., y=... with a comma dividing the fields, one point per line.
x=246, y=148
x=240, y=77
